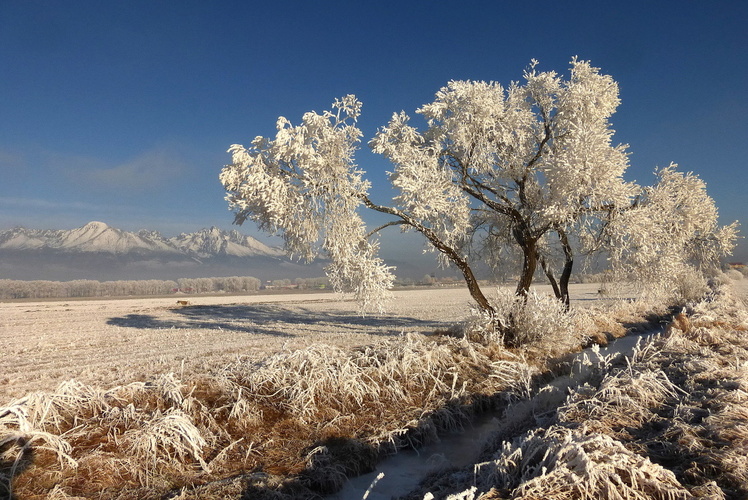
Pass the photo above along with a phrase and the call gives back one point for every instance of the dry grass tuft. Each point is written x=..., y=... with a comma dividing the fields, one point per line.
x=559, y=463
x=169, y=437
x=624, y=399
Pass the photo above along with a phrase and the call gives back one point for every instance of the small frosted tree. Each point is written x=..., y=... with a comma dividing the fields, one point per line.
x=668, y=233
x=530, y=167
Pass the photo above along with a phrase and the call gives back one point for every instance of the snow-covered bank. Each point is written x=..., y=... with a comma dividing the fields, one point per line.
x=670, y=423
x=404, y=471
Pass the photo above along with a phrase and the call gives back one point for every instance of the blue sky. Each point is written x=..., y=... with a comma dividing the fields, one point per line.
x=123, y=111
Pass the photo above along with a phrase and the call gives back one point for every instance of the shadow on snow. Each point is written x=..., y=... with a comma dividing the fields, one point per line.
x=272, y=320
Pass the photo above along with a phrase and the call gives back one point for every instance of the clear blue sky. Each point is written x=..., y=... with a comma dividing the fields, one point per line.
x=123, y=111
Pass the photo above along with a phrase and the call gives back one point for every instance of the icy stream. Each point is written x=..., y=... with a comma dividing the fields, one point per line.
x=403, y=471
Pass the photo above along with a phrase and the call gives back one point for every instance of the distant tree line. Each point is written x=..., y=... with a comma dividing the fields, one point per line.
x=310, y=283
x=42, y=289
x=227, y=284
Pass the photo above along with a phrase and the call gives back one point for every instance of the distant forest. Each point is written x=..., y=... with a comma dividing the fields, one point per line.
x=43, y=289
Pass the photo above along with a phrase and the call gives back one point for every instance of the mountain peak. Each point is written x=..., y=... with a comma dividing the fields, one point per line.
x=95, y=226
x=214, y=241
x=98, y=237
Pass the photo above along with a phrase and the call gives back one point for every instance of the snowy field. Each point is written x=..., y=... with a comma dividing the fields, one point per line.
x=311, y=418
x=116, y=341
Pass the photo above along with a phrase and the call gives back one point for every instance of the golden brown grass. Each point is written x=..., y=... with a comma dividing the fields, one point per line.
x=320, y=409
x=293, y=426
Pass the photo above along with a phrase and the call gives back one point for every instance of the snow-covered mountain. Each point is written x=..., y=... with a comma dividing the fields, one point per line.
x=98, y=237
x=93, y=237
x=98, y=251
x=216, y=242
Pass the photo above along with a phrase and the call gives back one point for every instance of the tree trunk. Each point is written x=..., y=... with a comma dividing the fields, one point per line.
x=551, y=278
x=564, y=283
x=472, y=283
x=561, y=286
x=566, y=273
x=474, y=288
x=529, y=264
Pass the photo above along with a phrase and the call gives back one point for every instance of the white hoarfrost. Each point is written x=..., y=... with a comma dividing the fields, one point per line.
x=528, y=167
x=671, y=231
x=306, y=185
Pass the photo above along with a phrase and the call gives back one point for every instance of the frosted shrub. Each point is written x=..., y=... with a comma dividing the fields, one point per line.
x=721, y=279
x=480, y=327
x=691, y=288
x=682, y=286
x=523, y=320
x=734, y=274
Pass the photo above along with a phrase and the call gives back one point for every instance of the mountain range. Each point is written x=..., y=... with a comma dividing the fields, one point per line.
x=98, y=237
x=99, y=251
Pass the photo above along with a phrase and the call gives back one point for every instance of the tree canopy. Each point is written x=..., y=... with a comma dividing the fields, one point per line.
x=529, y=168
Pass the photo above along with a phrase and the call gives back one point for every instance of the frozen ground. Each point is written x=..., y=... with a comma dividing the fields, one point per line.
x=116, y=341
x=110, y=342
x=402, y=472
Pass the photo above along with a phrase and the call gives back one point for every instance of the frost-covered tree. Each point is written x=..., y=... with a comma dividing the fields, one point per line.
x=670, y=231
x=530, y=167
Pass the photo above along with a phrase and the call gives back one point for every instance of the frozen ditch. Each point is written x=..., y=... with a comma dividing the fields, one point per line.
x=404, y=470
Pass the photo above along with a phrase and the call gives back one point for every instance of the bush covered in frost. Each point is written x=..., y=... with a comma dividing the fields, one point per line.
x=734, y=274
x=524, y=320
